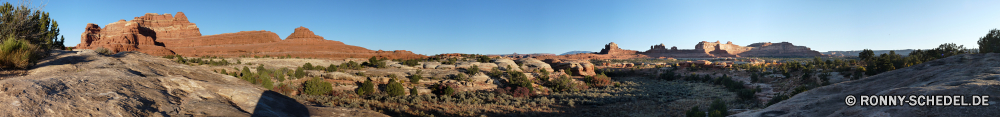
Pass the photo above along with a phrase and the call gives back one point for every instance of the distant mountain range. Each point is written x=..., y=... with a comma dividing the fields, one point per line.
x=856, y=52
x=576, y=52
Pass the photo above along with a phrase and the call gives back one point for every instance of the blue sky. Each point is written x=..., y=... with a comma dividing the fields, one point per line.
x=556, y=26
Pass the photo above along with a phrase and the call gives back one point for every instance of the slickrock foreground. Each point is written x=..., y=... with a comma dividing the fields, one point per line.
x=84, y=83
x=160, y=35
x=964, y=75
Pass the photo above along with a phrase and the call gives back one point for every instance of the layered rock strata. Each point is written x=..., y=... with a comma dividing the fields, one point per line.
x=160, y=35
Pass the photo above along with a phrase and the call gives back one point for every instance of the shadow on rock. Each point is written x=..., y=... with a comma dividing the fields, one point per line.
x=273, y=104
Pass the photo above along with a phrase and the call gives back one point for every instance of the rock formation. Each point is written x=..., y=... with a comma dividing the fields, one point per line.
x=85, y=83
x=160, y=35
x=613, y=49
x=578, y=67
x=960, y=75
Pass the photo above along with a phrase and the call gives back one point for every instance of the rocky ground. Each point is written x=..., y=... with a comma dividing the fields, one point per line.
x=85, y=83
x=965, y=75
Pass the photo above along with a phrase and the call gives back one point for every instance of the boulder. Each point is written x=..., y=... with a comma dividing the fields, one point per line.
x=531, y=64
x=578, y=67
x=503, y=63
x=445, y=67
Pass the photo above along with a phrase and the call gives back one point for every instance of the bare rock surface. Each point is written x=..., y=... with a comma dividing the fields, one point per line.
x=84, y=83
x=960, y=75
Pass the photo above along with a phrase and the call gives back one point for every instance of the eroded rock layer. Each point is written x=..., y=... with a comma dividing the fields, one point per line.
x=160, y=35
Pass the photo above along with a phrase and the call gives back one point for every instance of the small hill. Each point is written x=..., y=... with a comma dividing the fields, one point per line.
x=960, y=75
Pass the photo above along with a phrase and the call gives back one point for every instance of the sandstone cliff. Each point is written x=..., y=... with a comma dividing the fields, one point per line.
x=160, y=35
x=703, y=49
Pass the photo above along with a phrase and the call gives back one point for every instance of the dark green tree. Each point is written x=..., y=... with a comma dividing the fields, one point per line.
x=990, y=43
x=394, y=88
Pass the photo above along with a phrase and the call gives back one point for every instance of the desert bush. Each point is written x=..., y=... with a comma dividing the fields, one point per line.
x=411, y=62
x=599, y=80
x=518, y=79
x=483, y=59
x=472, y=71
x=414, y=91
x=266, y=82
x=415, y=79
x=443, y=89
x=16, y=53
x=103, y=51
x=562, y=84
x=281, y=76
x=395, y=88
x=720, y=106
x=331, y=68
x=695, y=112
x=376, y=63
x=568, y=71
x=316, y=86
x=450, y=61
x=366, y=88
x=307, y=66
x=299, y=73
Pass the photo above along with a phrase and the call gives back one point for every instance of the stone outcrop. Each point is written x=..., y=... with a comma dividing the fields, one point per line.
x=707, y=49
x=160, y=35
x=578, y=67
x=85, y=83
x=531, y=64
x=959, y=75
x=303, y=33
x=612, y=48
x=783, y=49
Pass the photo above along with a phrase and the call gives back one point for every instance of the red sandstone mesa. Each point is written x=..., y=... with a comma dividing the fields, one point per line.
x=157, y=34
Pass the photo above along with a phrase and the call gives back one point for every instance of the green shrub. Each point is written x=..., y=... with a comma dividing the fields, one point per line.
x=307, y=66
x=104, y=51
x=376, y=63
x=411, y=62
x=695, y=112
x=990, y=43
x=719, y=106
x=281, y=77
x=483, y=59
x=562, y=84
x=331, y=68
x=366, y=88
x=394, y=88
x=472, y=71
x=316, y=86
x=16, y=53
x=414, y=91
x=568, y=71
x=415, y=79
x=299, y=72
x=266, y=82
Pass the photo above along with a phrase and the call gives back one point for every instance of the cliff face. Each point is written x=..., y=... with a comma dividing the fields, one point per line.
x=783, y=49
x=160, y=35
x=707, y=49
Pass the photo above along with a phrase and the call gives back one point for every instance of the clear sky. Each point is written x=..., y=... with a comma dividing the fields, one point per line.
x=556, y=26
